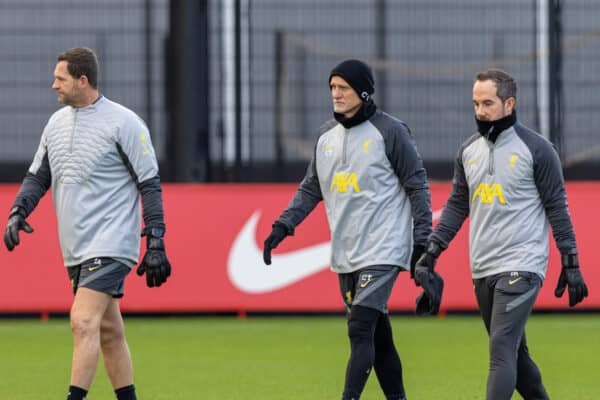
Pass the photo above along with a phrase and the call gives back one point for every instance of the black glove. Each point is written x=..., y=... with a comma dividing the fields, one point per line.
x=155, y=263
x=418, y=250
x=16, y=223
x=571, y=276
x=427, y=305
x=425, y=276
x=278, y=233
x=426, y=262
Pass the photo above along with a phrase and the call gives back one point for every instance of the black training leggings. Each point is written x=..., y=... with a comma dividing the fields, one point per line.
x=372, y=345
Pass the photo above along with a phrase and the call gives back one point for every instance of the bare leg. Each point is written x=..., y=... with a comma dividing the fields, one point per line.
x=117, y=359
x=87, y=312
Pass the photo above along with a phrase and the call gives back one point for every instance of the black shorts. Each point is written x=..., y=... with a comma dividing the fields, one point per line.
x=101, y=274
x=369, y=287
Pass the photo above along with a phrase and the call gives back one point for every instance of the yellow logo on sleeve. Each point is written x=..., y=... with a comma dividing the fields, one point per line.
x=144, y=143
x=366, y=146
x=487, y=193
x=343, y=180
x=512, y=160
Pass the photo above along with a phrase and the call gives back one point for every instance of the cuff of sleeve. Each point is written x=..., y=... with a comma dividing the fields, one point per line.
x=569, y=259
x=17, y=210
x=157, y=231
x=288, y=229
x=434, y=248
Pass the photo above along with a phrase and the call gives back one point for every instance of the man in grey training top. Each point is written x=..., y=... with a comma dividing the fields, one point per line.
x=98, y=158
x=509, y=180
x=367, y=170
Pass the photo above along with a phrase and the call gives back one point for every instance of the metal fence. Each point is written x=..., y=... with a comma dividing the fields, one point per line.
x=129, y=39
x=425, y=54
x=581, y=63
x=269, y=61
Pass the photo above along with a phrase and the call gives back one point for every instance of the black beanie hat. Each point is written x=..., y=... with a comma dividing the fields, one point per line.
x=358, y=75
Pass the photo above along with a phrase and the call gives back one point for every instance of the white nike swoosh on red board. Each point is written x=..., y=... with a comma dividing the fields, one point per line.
x=249, y=274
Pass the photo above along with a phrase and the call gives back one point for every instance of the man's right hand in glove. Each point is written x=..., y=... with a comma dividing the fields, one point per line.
x=155, y=264
x=425, y=276
x=16, y=223
x=278, y=233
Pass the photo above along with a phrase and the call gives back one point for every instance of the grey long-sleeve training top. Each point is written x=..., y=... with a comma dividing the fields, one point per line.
x=97, y=159
x=512, y=189
x=375, y=189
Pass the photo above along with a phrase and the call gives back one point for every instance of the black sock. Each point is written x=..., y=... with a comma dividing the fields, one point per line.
x=76, y=393
x=126, y=393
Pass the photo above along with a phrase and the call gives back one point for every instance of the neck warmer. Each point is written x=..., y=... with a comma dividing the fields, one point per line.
x=366, y=111
x=491, y=129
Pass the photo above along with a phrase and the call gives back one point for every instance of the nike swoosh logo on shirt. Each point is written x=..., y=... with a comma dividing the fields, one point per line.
x=249, y=274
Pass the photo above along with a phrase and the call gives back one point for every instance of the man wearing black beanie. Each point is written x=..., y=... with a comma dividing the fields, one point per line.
x=367, y=170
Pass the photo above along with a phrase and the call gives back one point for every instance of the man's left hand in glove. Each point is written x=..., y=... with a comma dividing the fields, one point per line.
x=571, y=276
x=432, y=283
x=155, y=264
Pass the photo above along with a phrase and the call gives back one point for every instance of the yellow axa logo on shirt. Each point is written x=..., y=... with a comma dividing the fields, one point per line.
x=487, y=192
x=343, y=180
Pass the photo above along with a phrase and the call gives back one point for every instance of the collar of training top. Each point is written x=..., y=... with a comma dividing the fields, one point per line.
x=366, y=111
x=491, y=129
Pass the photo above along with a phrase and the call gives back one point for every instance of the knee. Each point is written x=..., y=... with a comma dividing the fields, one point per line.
x=111, y=333
x=361, y=330
x=362, y=323
x=83, y=325
x=358, y=329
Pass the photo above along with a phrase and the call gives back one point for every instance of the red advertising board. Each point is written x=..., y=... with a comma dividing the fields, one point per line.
x=214, y=242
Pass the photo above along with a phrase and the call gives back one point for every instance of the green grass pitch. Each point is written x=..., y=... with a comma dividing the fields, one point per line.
x=287, y=358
